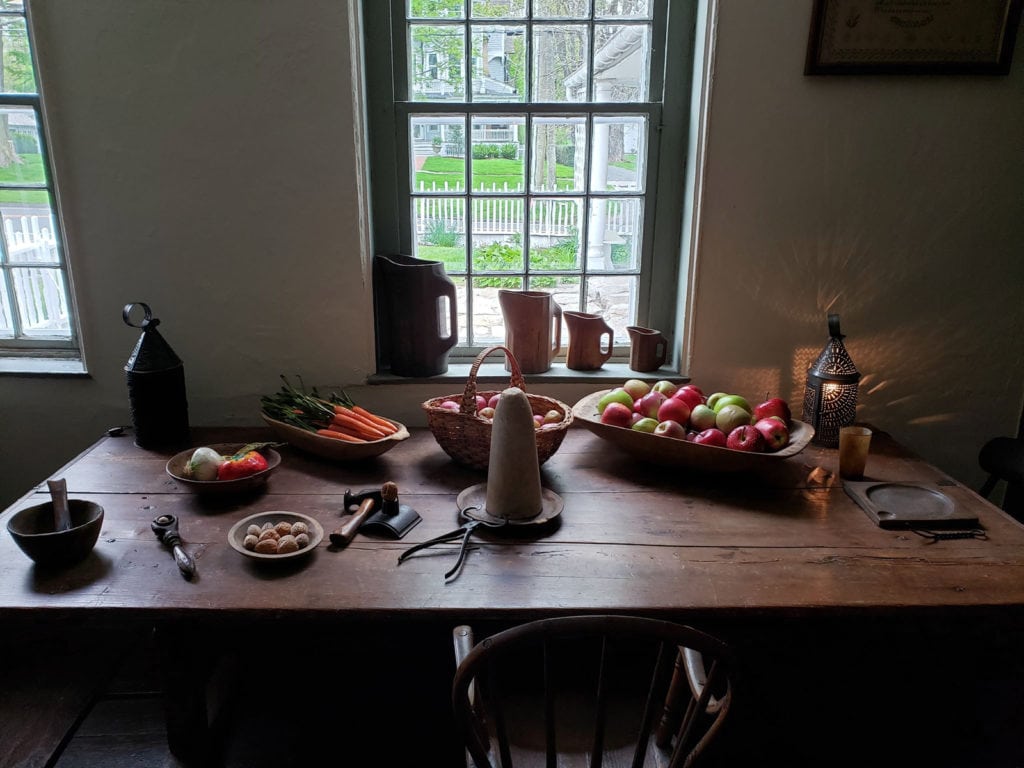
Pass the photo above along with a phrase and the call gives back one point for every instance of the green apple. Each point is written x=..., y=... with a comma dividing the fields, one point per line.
x=645, y=424
x=666, y=387
x=713, y=398
x=732, y=400
x=731, y=416
x=617, y=395
x=702, y=417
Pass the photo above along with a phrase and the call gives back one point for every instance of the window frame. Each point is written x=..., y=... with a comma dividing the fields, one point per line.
x=34, y=351
x=662, y=282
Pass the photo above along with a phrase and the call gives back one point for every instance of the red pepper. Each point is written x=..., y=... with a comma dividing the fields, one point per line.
x=241, y=465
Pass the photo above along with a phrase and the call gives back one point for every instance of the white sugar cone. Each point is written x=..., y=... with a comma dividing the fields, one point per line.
x=513, y=473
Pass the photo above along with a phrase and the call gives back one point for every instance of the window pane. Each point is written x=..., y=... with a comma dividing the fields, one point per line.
x=488, y=322
x=619, y=159
x=438, y=148
x=21, y=162
x=497, y=235
x=555, y=233
x=16, y=76
x=440, y=224
x=436, y=9
x=622, y=61
x=614, y=298
x=436, y=56
x=565, y=289
x=29, y=228
x=499, y=63
x=560, y=63
x=559, y=151
x=561, y=9
x=42, y=307
x=622, y=9
x=6, y=324
x=498, y=153
x=499, y=9
x=614, y=233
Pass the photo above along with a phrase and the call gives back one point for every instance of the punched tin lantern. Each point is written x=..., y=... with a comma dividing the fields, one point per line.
x=830, y=397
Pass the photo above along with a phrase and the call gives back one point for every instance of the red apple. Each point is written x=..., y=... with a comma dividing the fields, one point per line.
x=493, y=402
x=451, y=405
x=666, y=387
x=637, y=388
x=481, y=402
x=617, y=395
x=674, y=410
x=745, y=438
x=617, y=414
x=774, y=432
x=712, y=436
x=649, y=404
x=671, y=428
x=635, y=418
x=774, y=406
x=690, y=395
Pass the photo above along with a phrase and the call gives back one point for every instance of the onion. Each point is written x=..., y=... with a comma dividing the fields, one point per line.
x=203, y=464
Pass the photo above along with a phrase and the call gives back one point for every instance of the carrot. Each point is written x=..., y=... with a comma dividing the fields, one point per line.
x=358, y=426
x=378, y=420
x=350, y=432
x=339, y=435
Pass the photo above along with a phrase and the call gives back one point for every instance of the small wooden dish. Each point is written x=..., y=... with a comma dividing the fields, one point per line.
x=330, y=448
x=176, y=469
x=236, y=536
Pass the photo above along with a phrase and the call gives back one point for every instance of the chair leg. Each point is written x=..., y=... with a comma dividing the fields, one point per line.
x=988, y=487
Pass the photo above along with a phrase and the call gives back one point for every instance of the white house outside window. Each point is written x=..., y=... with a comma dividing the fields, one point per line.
x=532, y=161
x=35, y=309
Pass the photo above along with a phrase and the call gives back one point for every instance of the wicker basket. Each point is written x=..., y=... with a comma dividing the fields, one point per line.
x=466, y=437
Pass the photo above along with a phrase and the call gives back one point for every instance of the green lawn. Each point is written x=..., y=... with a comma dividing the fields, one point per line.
x=29, y=171
x=495, y=171
x=628, y=162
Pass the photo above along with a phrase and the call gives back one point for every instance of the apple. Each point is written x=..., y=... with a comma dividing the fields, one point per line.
x=634, y=418
x=451, y=405
x=670, y=428
x=481, y=402
x=730, y=417
x=616, y=414
x=745, y=438
x=617, y=395
x=713, y=398
x=645, y=424
x=774, y=432
x=552, y=417
x=702, y=417
x=773, y=406
x=690, y=435
x=666, y=387
x=712, y=436
x=689, y=395
x=637, y=388
x=493, y=402
x=486, y=412
x=674, y=410
x=650, y=404
x=538, y=420
x=725, y=400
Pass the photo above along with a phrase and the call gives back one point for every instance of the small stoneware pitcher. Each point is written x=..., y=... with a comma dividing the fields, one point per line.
x=648, y=348
x=533, y=328
x=586, y=332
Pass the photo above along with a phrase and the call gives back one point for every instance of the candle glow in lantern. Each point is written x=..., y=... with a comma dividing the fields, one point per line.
x=830, y=398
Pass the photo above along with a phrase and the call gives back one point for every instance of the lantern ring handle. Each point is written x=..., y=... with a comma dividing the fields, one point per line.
x=833, y=327
x=148, y=321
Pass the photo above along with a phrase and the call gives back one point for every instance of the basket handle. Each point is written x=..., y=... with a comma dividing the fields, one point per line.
x=468, y=406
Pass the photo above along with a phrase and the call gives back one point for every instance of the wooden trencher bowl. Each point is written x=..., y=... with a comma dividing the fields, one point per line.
x=466, y=437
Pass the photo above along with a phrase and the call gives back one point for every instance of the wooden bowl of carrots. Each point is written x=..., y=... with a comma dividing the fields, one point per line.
x=333, y=427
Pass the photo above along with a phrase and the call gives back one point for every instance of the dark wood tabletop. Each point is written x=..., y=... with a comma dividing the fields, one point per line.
x=632, y=537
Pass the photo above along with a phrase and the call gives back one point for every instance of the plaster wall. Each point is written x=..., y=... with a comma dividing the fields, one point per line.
x=208, y=164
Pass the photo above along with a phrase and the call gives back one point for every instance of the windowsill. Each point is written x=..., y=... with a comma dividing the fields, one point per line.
x=42, y=366
x=558, y=374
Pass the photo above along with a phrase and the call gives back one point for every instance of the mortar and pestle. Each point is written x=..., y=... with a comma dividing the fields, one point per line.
x=59, y=532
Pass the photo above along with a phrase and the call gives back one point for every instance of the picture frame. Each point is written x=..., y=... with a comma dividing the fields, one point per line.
x=912, y=37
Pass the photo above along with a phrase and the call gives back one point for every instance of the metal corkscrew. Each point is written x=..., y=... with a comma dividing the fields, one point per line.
x=166, y=529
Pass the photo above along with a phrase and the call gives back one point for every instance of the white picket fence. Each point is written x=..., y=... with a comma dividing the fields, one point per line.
x=39, y=290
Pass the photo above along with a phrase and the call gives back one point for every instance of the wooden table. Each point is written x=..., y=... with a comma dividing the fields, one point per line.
x=784, y=551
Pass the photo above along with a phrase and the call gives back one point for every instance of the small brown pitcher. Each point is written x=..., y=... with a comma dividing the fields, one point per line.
x=533, y=328
x=648, y=348
x=585, y=334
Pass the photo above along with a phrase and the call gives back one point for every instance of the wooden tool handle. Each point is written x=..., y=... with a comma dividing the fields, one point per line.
x=343, y=536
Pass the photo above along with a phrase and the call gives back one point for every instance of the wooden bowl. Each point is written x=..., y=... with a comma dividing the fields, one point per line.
x=176, y=469
x=674, y=452
x=330, y=448
x=236, y=536
x=33, y=531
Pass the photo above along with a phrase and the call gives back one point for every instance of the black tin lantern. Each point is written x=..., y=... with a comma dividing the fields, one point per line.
x=156, y=387
x=830, y=398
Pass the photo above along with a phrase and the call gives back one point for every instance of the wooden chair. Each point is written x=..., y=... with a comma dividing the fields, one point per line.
x=591, y=690
x=1003, y=459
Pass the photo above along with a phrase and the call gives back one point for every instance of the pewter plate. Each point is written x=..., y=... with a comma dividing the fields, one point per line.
x=907, y=505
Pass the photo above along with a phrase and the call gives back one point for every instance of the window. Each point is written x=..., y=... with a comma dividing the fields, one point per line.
x=547, y=156
x=35, y=310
